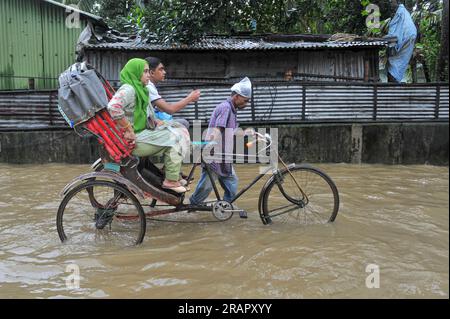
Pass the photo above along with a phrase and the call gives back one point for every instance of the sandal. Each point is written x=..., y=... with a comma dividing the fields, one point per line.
x=177, y=189
x=185, y=177
x=185, y=184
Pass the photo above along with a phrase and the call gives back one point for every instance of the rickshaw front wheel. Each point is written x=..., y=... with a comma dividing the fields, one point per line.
x=303, y=195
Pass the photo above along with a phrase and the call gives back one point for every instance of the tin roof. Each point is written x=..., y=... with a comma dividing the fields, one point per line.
x=235, y=43
x=69, y=8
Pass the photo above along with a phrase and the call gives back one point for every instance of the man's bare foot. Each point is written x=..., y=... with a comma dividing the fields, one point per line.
x=174, y=185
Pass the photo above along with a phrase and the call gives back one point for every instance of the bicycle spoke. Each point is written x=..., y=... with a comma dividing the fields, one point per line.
x=316, y=215
x=284, y=212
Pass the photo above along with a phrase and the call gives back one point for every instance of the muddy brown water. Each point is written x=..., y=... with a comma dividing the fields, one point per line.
x=393, y=217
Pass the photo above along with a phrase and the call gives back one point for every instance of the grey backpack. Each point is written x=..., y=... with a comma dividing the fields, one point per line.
x=81, y=94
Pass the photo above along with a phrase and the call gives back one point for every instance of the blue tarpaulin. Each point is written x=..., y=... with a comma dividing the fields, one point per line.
x=402, y=27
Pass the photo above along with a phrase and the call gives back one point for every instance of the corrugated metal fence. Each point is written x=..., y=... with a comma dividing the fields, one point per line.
x=310, y=102
x=271, y=102
x=30, y=110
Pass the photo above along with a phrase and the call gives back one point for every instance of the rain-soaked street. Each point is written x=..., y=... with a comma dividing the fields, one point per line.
x=394, y=218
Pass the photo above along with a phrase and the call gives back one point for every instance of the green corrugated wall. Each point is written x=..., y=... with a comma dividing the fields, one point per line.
x=34, y=43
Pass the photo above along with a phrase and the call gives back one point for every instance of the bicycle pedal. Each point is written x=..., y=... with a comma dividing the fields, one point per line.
x=242, y=214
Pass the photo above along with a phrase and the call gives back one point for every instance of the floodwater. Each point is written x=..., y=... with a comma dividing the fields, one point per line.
x=390, y=240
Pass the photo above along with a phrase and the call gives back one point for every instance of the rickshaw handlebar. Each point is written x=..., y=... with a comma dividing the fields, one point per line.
x=266, y=137
x=260, y=137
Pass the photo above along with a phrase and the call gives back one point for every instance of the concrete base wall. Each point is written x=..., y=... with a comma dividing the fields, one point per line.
x=399, y=143
x=394, y=143
x=47, y=147
x=405, y=144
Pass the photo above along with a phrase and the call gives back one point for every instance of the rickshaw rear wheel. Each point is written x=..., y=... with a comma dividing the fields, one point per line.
x=115, y=218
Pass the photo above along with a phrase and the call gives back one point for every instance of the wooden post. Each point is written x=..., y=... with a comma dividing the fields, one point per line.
x=196, y=110
x=366, y=70
x=303, y=102
x=437, y=101
x=375, y=102
x=50, y=100
x=252, y=105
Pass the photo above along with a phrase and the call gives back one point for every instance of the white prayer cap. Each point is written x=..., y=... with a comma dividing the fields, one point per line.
x=243, y=88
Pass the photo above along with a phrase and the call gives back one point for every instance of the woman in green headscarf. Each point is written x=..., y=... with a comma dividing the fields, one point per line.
x=130, y=108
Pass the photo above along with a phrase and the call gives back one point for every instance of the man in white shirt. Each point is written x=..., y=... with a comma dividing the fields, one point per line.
x=163, y=109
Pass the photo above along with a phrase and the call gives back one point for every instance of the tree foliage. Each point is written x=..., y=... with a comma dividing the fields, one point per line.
x=184, y=21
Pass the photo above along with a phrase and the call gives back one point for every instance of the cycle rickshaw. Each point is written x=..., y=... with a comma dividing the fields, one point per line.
x=108, y=203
